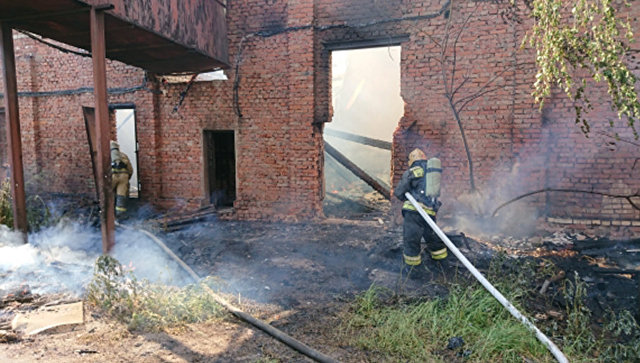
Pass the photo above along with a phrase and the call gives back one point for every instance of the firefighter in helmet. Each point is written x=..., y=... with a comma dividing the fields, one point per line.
x=121, y=171
x=422, y=181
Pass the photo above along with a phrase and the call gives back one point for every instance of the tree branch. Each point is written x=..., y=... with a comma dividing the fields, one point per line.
x=455, y=46
x=627, y=197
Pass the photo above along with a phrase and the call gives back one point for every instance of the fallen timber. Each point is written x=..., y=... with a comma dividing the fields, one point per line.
x=355, y=169
x=173, y=223
x=274, y=332
x=380, y=144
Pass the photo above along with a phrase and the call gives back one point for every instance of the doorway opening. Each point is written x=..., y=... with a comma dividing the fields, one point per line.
x=127, y=138
x=220, y=167
x=367, y=106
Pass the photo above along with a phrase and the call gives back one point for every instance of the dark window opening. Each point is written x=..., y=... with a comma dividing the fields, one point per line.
x=220, y=167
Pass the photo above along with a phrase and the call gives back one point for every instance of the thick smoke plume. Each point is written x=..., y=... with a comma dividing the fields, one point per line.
x=61, y=258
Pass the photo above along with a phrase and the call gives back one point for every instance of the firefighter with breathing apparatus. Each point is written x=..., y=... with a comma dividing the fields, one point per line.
x=422, y=180
x=121, y=171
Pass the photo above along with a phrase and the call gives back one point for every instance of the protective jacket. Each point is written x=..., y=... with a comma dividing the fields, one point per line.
x=121, y=171
x=414, y=181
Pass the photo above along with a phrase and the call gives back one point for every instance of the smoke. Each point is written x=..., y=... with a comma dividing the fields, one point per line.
x=474, y=211
x=60, y=259
x=366, y=101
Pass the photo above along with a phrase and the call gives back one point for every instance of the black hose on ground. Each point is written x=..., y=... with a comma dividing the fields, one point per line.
x=276, y=333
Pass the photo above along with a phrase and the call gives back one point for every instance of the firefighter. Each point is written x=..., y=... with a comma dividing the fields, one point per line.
x=121, y=171
x=422, y=180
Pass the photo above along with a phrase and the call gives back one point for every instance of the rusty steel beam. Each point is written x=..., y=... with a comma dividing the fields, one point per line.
x=107, y=207
x=44, y=15
x=14, y=139
x=355, y=169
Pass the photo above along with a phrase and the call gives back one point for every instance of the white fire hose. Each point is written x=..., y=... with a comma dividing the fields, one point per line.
x=487, y=285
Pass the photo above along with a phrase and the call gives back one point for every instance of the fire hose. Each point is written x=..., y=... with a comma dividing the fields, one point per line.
x=487, y=285
x=276, y=333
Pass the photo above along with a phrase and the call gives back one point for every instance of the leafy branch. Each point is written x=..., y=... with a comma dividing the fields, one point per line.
x=587, y=40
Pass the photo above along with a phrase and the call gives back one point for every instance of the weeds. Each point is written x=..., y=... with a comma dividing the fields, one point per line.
x=419, y=331
x=146, y=307
x=38, y=212
x=619, y=337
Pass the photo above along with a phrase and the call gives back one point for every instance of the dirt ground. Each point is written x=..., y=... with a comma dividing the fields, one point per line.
x=297, y=277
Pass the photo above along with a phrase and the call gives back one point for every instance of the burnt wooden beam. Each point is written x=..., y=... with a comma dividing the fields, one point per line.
x=385, y=145
x=615, y=271
x=103, y=165
x=13, y=131
x=355, y=169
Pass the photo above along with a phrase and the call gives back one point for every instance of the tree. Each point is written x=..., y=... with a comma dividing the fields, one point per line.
x=579, y=40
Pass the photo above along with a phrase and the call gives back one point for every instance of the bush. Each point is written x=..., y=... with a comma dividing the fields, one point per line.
x=38, y=213
x=144, y=306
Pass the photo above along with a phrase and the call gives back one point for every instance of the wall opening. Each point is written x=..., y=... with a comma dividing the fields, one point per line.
x=220, y=167
x=367, y=106
x=128, y=140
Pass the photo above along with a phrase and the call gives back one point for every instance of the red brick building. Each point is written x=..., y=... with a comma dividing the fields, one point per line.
x=277, y=99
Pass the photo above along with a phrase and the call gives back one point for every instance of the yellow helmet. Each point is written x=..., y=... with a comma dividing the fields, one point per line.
x=416, y=155
x=114, y=145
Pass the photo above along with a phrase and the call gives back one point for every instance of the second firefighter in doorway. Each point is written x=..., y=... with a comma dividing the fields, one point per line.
x=422, y=181
x=121, y=171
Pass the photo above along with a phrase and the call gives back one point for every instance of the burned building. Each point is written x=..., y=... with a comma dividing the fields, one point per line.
x=253, y=139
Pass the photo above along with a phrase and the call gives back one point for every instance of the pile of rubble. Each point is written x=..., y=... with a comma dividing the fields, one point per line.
x=24, y=313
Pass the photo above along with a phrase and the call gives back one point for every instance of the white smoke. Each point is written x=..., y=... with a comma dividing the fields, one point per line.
x=61, y=258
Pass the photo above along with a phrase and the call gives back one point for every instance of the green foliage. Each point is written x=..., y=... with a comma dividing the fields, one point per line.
x=144, y=306
x=6, y=213
x=578, y=336
x=618, y=340
x=581, y=39
x=419, y=331
x=38, y=213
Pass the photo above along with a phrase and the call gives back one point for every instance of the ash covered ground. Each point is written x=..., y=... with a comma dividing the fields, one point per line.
x=300, y=277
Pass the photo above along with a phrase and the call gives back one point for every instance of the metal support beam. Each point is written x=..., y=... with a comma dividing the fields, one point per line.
x=107, y=208
x=355, y=169
x=13, y=130
x=43, y=15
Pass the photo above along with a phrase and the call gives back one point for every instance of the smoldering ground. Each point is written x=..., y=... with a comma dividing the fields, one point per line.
x=60, y=258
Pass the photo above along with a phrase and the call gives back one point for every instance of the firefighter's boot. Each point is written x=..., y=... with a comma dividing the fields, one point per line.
x=121, y=206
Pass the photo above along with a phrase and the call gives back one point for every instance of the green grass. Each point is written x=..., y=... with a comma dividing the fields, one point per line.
x=143, y=306
x=420, y=332
x=401, y=331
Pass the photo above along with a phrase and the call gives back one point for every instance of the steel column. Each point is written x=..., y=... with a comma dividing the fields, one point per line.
x=13, y=131
x=107, y=208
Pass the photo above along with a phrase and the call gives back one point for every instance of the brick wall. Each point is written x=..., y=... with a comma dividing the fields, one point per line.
x=283, y=94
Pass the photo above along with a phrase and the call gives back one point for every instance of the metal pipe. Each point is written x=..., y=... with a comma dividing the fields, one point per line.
x=487, y=285
x=102, y=127
x=14, y=139
x=276, y=333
